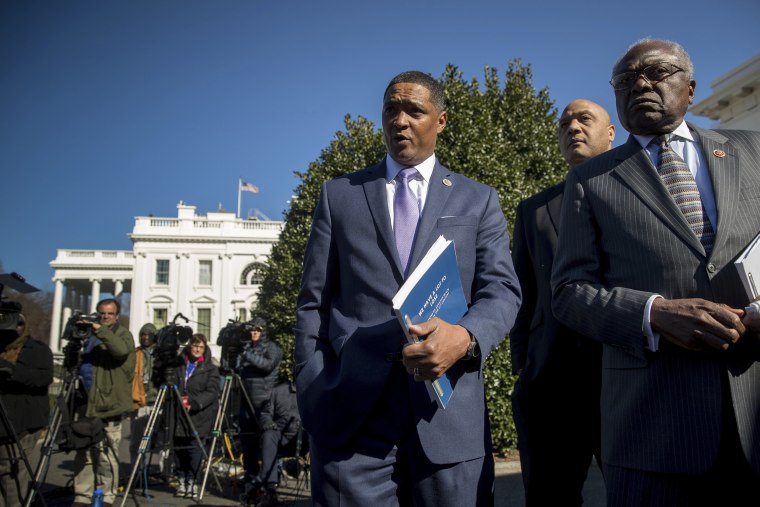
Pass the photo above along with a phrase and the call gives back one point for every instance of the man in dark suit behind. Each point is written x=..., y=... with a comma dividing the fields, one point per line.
x=559, y=370
x=376, y=437
x=680, y=373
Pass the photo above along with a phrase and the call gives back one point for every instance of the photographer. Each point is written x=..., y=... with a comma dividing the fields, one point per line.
x=199, y=385
x=258, y=366
x=280, y=423
x=26, y=371
x=107, y=369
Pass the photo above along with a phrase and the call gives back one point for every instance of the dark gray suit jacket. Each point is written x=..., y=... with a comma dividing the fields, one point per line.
x=623, y=239
x=544, y=349
x=345, y=326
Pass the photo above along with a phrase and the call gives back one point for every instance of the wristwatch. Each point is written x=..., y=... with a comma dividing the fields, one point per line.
x=473, y=350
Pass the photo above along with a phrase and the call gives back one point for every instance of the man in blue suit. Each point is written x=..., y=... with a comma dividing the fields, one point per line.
x=376, y=437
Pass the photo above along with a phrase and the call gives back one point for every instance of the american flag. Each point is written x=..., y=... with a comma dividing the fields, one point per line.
x=249, y=187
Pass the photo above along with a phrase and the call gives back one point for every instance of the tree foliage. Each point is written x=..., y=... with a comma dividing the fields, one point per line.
x=504, y=136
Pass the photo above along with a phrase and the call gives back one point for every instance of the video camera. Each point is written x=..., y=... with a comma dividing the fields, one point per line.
x=233, y=338
x=166, y=352
x=79, y=326
x=10, y=311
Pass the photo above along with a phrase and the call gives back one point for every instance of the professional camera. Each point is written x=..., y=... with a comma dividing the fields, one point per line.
x=166, y=352
x=233, y=338
x=11, y=310
x=79, y=326
x=77, y=329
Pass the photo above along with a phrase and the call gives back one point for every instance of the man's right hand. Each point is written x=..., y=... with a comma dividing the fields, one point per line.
x=696, y=324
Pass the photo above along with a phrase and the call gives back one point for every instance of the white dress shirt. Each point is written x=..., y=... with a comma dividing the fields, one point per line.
x=418, y=185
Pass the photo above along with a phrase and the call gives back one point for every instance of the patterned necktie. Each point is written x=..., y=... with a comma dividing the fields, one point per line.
x=406, y=213
x=679, y=181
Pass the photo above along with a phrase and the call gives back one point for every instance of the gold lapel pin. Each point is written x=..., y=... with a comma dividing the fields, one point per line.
x=719, y=153
x=447, y=182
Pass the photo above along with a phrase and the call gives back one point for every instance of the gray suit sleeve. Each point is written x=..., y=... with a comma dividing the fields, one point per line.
x=583, y=299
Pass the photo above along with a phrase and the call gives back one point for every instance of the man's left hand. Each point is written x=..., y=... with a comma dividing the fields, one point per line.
x=441, y=345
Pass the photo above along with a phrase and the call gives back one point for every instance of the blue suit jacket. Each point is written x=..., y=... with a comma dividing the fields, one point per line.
x=345, y=326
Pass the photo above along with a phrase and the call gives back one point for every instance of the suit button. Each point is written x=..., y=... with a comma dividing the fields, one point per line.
x=711, y=268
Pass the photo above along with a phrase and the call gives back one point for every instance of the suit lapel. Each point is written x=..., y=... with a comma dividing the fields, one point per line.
x=554, y=206
x=377, y=200
x=725, y=177
x=437, y=194
x=637, y=171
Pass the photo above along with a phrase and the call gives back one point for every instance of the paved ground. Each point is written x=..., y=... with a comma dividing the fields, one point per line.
x=58, y=492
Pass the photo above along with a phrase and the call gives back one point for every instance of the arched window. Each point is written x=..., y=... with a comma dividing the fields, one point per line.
x=253, y=274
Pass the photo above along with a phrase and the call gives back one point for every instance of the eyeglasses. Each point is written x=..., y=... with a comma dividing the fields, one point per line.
x=652, y=73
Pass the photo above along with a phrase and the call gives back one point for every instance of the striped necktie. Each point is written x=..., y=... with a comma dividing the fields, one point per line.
x=679, y=181
x=406, y=214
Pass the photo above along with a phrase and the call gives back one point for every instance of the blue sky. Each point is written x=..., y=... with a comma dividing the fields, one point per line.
x=115, y=109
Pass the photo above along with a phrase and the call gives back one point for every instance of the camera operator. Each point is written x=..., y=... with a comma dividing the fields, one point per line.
x=280, y=423
x=199, y=385
x=144, y=389
x=258, y=366
x=26, y=371
x=107, y=369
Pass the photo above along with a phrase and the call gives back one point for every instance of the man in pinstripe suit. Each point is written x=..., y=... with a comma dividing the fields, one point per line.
x=680, y=373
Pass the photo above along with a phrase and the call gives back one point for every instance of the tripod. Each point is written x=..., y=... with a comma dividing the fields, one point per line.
x=164, y=394
x=230, y=380
x=71, y=385
x=17, y=443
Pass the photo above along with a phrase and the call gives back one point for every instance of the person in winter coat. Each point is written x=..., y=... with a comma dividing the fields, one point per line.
x=280, y=423
x=199, y=386
x=26, y=371
x=259, y=367
x=107, y=369
x=143, y=370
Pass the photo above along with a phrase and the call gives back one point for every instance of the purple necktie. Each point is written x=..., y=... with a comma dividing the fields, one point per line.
x=406, y=213
x=679, y=181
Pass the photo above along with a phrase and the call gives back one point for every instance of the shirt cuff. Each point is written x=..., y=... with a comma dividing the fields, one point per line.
x=653, y=339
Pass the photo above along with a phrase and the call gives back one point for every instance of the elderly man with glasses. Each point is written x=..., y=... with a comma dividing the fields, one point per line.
x=645, y=265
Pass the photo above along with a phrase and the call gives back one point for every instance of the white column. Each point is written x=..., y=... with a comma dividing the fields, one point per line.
x=55, y=324
x=71, y=298
x=95, y=294
x=119, y=288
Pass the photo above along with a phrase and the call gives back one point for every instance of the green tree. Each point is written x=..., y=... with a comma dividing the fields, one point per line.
x=504, y=136
x=358, y=146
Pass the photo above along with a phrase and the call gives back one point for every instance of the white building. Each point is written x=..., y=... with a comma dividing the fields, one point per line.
x=735, y=99
x=206, y=268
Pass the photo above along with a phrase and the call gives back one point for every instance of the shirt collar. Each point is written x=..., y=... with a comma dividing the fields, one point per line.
x=425, y=168
x=681, y=131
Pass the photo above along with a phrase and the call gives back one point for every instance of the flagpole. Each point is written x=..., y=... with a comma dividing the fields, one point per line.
x=239, y=183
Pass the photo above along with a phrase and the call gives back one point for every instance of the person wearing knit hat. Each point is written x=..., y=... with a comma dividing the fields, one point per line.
x=145, y=390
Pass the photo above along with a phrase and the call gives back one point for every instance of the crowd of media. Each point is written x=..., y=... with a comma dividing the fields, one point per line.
x=167, y=389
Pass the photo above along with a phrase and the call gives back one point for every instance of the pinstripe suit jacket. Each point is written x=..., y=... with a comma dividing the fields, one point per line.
x=622, y=239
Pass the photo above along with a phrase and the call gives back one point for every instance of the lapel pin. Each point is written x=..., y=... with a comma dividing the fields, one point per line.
x=447, y=182
x=719, y=153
